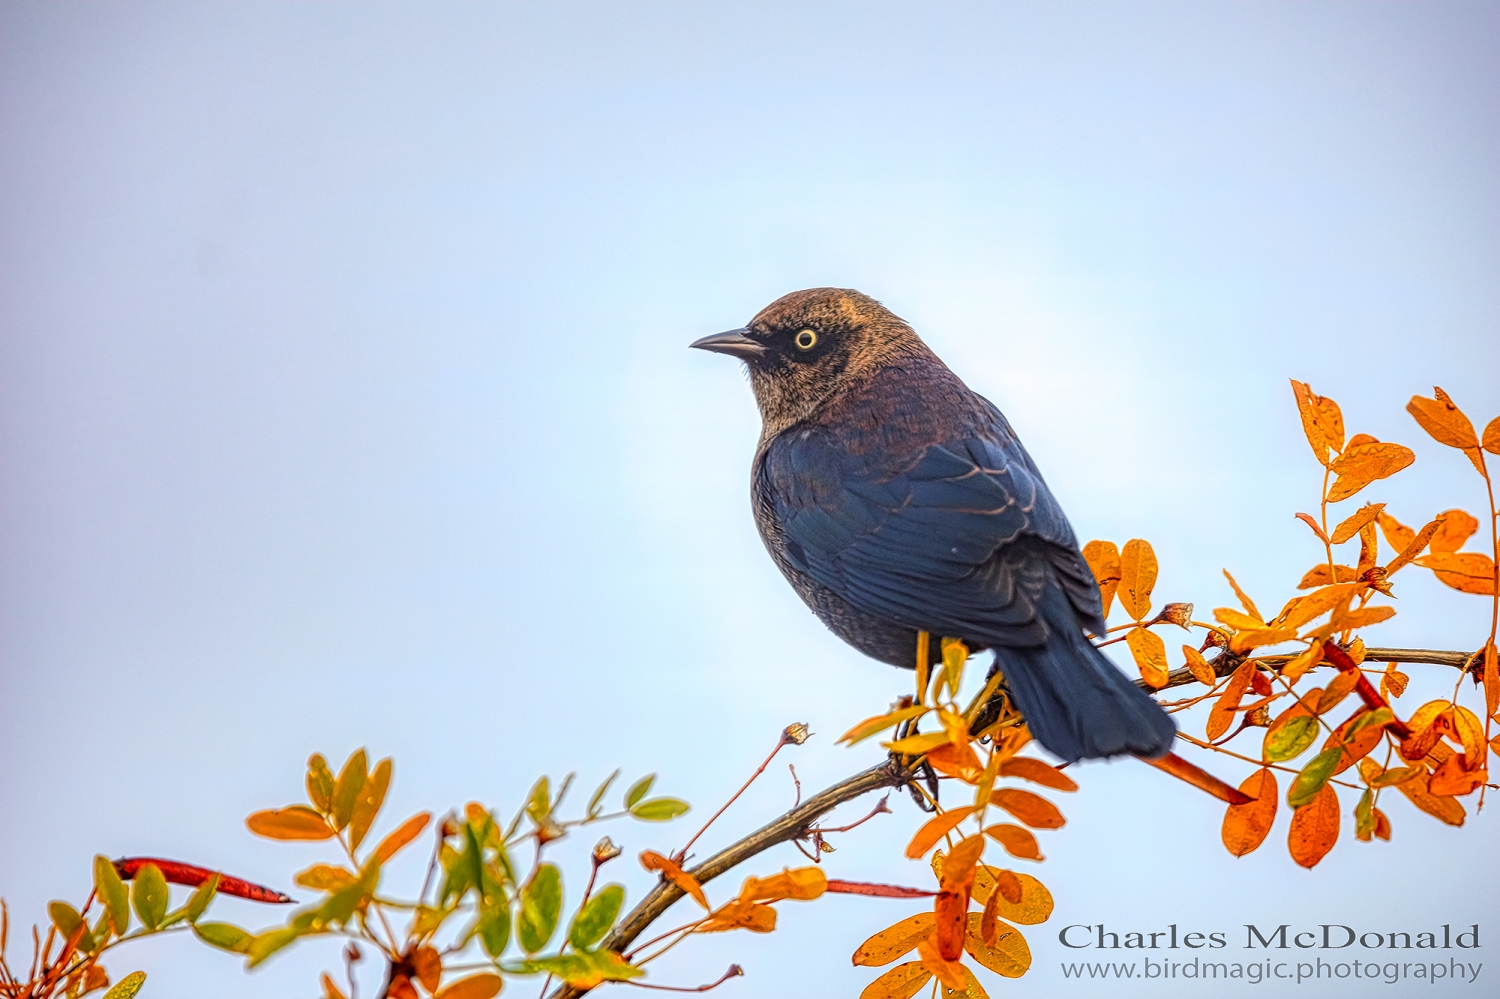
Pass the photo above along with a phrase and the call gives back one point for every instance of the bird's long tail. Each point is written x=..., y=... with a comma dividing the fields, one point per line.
x=1077, y=703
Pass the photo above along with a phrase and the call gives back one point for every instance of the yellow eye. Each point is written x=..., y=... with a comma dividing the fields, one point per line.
x=806, y=340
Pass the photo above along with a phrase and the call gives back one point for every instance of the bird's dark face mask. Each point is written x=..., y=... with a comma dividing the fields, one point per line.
x=795, y=354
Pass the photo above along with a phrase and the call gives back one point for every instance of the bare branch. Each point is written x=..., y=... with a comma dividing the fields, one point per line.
x=1226, y=663
x=793, y=824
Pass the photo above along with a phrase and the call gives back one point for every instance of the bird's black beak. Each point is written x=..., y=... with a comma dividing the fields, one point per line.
x=732, y=342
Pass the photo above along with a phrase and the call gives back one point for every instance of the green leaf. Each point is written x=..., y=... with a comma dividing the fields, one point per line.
x=584, y=970
x=263, y=945
x=319, y=783
x=595, y=918
x=427, y=921
x=494, y=927
x=198, y=903
x=1380, y=716
x=1364, y=815
x=659, y=809
x=225, y=936
x=1310, y=781
x=595, y=806
x=113, y=893
x=67, y=920
x=346, y=792
x=371, y=797
x=1291, y=738
x=149, y=896
x=127, y=987
x=539, y=804
x=639, y=790
x=541, y=904
x=341, y=905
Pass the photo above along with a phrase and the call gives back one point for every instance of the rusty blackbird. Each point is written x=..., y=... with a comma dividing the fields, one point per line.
x=897, y=500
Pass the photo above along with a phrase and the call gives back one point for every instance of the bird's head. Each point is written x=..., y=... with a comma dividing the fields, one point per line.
x=805, y=347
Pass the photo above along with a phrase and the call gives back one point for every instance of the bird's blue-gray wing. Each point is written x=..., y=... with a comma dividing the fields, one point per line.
x=964, y=539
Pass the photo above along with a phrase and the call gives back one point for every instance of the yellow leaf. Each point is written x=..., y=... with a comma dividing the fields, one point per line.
x=1359, y=466
x=1137, y=577
x=1351, y=525
x=802, y=884
x=1236, y=620
x=1198, y=666
x=935, y=829
x=291, y=823
x=1245, y=600
x=950, y=973
x=481, y=986
x=1244, y=641
x=901, y=982
x=1361, y=617
x=916, y=745
x=1470, y=732
x=1302, y=662
x=325, y=877
x=1104, y=561
x=972, y=989
x=1457, y=527
x=1008, y=957
x=1491, y=678
x=1315, y=604
x=1468, y=572
x=879, y=723
x=1150, y=654
x=895, y=940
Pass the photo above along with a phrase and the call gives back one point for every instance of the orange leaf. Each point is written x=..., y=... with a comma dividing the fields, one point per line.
x=1246, y=826
x=1351, y=525
x=1361, y=465
x=1491, y=440
x=1034, y=770
x=1137, y=577
x=330, y=990
x=1366, y=739
x=1198, y=777
x=1244, y=641
x=894, y=941
x=1223, y=710
x=1425, y=730
x=1453, y=777
x=1308, y=409
x=1444, y=421
x=948, y=972
x=949, y=910
x=956, y=760
x=936, y=828
x=802, y=884
x=959, y=864
x=1441, y=807
x=1315, y=828
x=673, y=872
x=428, y=965
x=1307, y=519
x=402, y=835
x=1007, y=886
x=1104, y=561
x=1034, y=810
x=1302, y=662
x=1414, y=547
x=740, y=915
x=1382, y=825
x=1008, y=956
x=1468, y=572
x=1319, y=575
x=1470, y=732
x=480, y=986
x=1393, y=682
x=1338, y=688
x=1491, y=676
x=1198, y=666
x=1457, y=527
x=901, y=982
x=1397, y=534
x=290, y=823
x=1018, y=842
x=1244, y=599
x=1150, y=654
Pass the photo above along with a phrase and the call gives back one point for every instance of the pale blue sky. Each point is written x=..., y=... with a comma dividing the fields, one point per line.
x=344, y=400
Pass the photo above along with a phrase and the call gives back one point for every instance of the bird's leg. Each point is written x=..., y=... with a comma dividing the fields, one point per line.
x=923, y=769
